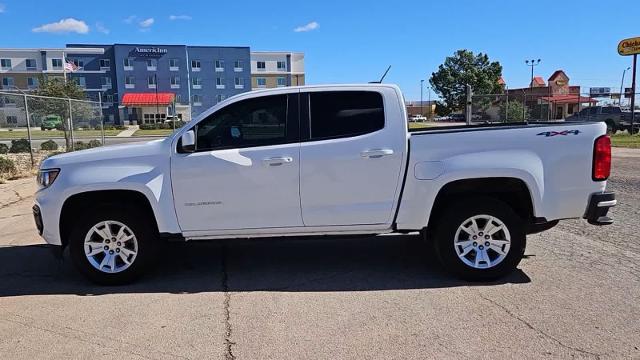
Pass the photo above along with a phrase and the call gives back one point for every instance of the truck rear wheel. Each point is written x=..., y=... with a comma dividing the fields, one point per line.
x=480, y=239
x=112, y=246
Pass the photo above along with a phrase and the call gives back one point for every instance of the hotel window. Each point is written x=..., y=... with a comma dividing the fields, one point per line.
x=178, y=98
x=7, y=82
x=32, y=82
x=282, y=66
x=195, y=65
x=152, y=64
x=221, y=97
x=105, y=63
x=219, y=83
x=56, y=64
x=5, y=64
x=196, y=82
x=81, y=81
x=261, y=65
x=128, y=63
x=219, y=64
x=196, y=100
x=108, y=98
x=282, y=81
x=175, y=82
x=237, y=65
x=174, y=64
x=151, y=81
x=239, y=83
x=261, y=82
x=106, y=82
x=129, y=82
x=31, y=64
x=79, y=64
x=12, y=120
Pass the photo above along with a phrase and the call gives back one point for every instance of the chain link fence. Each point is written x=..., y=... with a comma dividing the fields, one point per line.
x=535, y=106
x=33, y=127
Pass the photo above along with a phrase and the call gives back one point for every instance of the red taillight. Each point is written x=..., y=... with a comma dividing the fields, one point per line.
x=601, y=158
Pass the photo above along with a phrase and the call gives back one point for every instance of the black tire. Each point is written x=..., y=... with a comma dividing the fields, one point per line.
x=611, y=127
x=145, y=236
x=456, y=215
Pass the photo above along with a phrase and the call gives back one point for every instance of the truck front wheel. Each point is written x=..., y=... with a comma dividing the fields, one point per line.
x=480, y=239
x=112, y=246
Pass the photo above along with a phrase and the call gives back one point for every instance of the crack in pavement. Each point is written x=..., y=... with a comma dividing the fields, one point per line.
x=27, y=322
x=228, y=355
x=20, y=198
x=530, y=326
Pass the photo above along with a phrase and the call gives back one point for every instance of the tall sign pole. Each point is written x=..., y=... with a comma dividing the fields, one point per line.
x=633, y=91
x=628, y=47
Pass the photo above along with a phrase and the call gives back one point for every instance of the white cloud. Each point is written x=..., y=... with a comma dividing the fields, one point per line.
x=64, y=26
x=101, y=28
x=308, y=27
x=130, y=19
x=2, y=8
x=146, y=23
x=179, y=17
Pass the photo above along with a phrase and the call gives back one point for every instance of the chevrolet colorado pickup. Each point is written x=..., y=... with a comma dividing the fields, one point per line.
x=324, y=160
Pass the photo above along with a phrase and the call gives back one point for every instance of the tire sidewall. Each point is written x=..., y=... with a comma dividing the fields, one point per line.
x=459, y=212
x=140, y=228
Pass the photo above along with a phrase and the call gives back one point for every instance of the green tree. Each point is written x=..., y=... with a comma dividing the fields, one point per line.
x=514, y=112
x=463, y=68
x=57, y=87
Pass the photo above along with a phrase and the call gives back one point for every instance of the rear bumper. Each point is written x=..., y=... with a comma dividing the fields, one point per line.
x=599, y=205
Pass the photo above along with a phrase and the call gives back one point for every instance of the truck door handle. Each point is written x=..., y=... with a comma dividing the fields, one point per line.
x=376, y=153
x=277, y=160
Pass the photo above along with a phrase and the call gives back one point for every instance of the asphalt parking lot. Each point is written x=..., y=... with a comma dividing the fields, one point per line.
x=575, y=295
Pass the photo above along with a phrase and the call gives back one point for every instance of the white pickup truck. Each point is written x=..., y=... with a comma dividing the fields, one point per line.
x=324, y=160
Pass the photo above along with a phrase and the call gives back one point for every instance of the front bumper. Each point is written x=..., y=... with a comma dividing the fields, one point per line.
x=598, y=207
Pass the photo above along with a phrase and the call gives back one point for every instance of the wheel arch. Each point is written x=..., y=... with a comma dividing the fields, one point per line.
x=78, y=204
x=512, y=191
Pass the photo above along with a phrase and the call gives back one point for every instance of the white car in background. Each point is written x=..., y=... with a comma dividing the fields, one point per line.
x=324, y=160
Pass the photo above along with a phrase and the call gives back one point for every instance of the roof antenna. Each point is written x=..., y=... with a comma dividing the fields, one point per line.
x=382, y=78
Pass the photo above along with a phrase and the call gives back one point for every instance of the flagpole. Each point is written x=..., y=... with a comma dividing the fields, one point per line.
x=64, y=67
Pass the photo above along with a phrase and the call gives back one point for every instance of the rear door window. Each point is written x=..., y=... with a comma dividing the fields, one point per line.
x=336, y=114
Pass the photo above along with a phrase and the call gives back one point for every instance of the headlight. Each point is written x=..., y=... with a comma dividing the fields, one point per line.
x=47, y=177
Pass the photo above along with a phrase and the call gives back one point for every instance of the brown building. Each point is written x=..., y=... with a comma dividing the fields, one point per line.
x=555, y=99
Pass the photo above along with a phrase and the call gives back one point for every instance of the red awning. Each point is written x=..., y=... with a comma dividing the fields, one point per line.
x=147, y=99
x=568, y=99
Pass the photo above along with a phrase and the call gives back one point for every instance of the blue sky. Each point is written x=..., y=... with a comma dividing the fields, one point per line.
x=354, y=41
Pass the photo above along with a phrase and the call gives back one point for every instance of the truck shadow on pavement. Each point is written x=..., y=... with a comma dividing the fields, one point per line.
x=310, y=265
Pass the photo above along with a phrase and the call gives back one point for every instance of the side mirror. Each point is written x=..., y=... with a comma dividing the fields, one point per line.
x=188, y=141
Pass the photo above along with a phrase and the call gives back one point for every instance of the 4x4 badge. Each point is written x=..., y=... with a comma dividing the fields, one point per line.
x=564, y=132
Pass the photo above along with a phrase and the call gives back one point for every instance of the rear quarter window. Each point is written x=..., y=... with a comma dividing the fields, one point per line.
x=335, y=114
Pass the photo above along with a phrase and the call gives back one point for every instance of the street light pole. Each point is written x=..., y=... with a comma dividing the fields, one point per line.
x=621, y=85
x=532, y=63
x=421, y=103
x=429, y=101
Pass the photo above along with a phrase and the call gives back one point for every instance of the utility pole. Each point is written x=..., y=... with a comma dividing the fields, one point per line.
x=532, y=64
x=633, y=91
x=621, y=85
x=421, y=103
x=468, y=108
x=429, y=102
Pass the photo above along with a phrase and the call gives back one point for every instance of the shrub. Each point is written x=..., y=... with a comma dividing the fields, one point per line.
x=49, y=145
x=7, y=167
x=19, y=146
x=79, y=145
x=94, y=143
x=60, y=127
x=4, y=148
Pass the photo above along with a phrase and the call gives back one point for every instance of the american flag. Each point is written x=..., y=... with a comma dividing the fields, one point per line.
x=70, y=66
